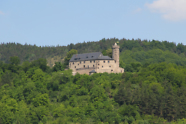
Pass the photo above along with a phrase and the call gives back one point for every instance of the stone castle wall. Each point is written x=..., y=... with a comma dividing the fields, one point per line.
x=100, y=66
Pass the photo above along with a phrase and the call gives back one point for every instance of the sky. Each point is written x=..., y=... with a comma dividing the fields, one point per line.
x=61, y=22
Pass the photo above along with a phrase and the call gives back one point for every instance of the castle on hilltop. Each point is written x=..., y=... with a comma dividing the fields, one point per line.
x=89, y=63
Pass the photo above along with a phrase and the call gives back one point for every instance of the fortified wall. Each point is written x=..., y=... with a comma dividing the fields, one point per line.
x=89, y=63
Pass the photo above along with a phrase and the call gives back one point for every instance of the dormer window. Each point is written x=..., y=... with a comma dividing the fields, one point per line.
x=77, y=59
x=92, y=56
x=86, y=56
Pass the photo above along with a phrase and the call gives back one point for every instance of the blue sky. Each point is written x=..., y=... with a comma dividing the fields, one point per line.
x=61, y=22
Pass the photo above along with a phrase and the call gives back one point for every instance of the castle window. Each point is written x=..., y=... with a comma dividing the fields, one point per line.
x=109, y=66
x=80, y=62
x=108, y=61
x=84, y=61
x=75, y=66
x=111, y=70
x=98, y=67
x=84, y=66
x=98, y=64
x=104, y=61
x=73, y=62
x=90, y=61
x=93, y=65
x=102, y=66
x=88, y=66
x=115, y=61
x=94, y=61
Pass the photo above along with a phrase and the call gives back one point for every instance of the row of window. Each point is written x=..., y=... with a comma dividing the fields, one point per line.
x=84, y=66
x=104, y=61
x=85, y=61
x=92, y=61
x=93, y=66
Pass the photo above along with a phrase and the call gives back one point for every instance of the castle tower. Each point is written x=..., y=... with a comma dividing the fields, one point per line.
x=115, y=53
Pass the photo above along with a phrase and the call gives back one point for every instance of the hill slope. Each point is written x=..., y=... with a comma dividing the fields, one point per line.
x=130, y=51
x=151, y=91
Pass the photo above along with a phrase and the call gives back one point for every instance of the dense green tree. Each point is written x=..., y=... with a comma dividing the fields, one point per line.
x=107, y=52
x=140, y=51
x=14, y=60
x=8, y=108
x=58, y=67
x=69, y=55
x=26, y=65
x=152, y=89
x=41, y=63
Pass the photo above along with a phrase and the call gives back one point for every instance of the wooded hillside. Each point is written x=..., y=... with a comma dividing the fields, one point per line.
x=151, y=91
x=130, y=51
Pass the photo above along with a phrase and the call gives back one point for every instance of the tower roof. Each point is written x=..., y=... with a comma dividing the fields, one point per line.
x=115, y=46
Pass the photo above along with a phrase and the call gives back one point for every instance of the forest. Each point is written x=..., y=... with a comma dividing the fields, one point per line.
x=151, y=91
x=134, y=50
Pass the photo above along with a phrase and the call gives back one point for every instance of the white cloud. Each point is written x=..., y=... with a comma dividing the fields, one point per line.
x=174, y=10
x=1, y=13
